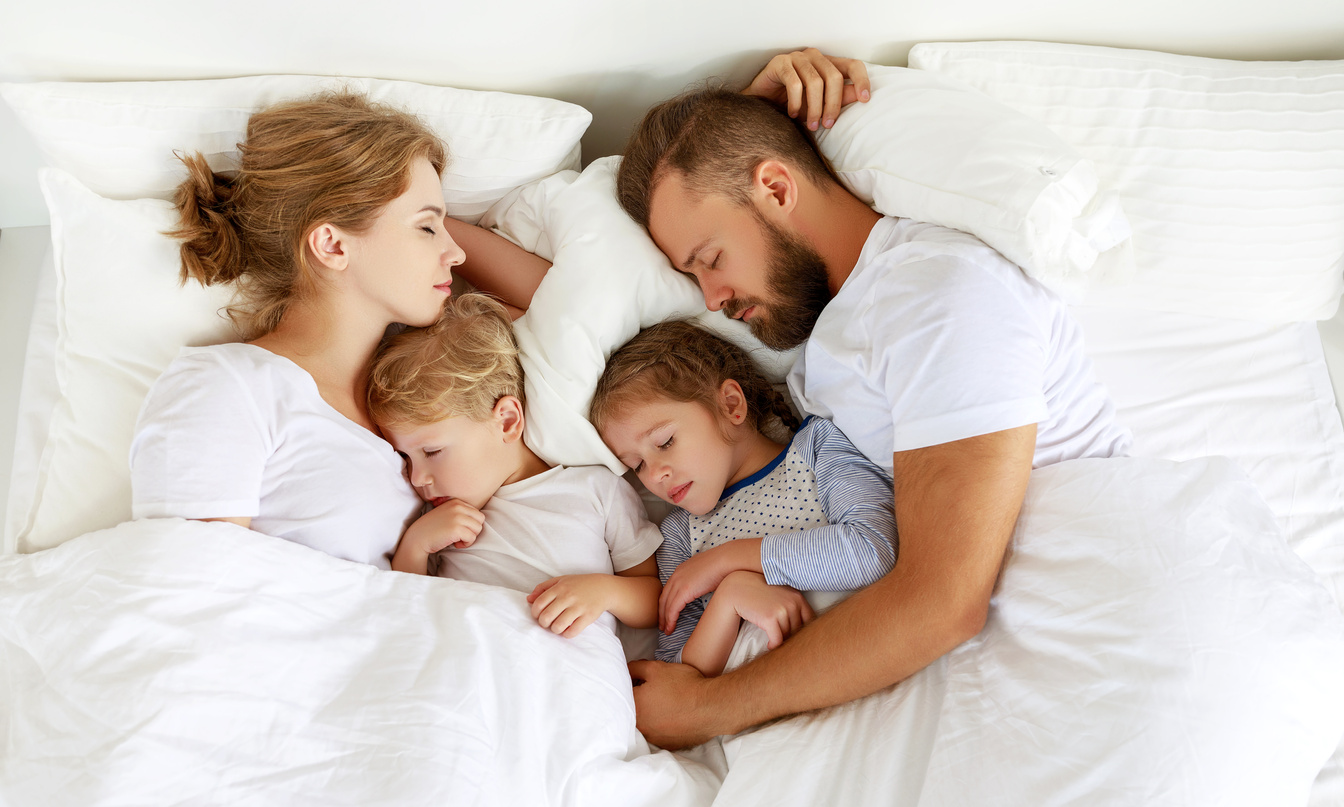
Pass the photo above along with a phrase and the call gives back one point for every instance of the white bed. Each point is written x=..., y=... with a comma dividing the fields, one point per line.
x=1263, y=393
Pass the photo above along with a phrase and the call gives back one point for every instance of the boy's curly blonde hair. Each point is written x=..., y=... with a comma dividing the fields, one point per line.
x=459, y=366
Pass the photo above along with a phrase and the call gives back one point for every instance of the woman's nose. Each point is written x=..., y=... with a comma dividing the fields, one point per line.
x=452, y=253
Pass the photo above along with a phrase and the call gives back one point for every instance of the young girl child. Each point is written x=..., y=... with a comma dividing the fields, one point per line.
x=449, y=397
x=689, y=413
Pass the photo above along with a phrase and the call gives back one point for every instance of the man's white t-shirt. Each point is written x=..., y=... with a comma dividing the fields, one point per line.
x=236, y=431
x=583, y=520
x=935, y=337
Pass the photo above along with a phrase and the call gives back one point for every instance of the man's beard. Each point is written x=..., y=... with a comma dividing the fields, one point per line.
x=798, y=287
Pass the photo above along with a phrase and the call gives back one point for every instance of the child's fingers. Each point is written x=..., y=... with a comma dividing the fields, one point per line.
x=542, y=586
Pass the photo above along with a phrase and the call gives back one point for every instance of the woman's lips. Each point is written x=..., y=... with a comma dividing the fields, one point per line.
x=679, y=493
x=446, y=288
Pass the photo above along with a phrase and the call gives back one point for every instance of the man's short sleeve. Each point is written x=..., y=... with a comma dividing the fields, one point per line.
x=957, y=352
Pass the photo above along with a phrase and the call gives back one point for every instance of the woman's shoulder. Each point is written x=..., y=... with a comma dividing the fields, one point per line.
x=228, y=364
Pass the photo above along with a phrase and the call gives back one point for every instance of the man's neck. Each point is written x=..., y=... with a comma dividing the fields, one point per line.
x=837, y=223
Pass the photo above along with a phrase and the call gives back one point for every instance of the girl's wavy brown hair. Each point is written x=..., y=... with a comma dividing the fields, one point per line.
x=335, y=158
x=684, y=362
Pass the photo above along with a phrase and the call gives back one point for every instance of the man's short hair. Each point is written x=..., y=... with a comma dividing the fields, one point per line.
x=714, y=139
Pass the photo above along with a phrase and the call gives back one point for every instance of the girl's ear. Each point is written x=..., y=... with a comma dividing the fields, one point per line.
x=509, y=417
x=732, y=402
x=329, y=247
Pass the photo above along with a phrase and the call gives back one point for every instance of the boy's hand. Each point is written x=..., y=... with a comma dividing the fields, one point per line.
x=568, y=604
x=453, y=523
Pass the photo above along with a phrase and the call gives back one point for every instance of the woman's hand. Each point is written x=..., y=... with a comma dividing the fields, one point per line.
x=453, y=523
x=812, y=84
x=780, y=611
x=568, y=604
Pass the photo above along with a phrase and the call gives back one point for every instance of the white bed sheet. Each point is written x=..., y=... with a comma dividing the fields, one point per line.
x=1260, y=394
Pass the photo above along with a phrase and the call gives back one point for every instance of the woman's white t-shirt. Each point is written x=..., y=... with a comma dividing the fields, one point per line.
x=935, y=337
x=236, y=431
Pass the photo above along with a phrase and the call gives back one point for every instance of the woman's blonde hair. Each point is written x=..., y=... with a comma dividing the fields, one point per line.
x=337, y=158
x=683, y=362
x=459, y=366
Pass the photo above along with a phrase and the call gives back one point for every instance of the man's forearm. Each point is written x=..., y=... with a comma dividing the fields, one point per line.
x=875, y=638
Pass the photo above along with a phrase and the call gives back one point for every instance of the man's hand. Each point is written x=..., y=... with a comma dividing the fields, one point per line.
x=568, y=604
x=811, y=84
x=668, y=705
x=780, y=611
x=702, y=573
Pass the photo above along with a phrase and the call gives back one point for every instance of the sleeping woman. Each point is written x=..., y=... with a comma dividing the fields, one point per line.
x=332, y=230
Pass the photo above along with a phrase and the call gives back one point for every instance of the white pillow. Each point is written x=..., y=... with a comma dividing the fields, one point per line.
x=933, y=149
x=608, y=281
x=121, y=318
x=1232, y=173
x=118, y=138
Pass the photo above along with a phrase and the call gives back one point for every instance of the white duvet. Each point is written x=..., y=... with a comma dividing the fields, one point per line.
x=1152, y=641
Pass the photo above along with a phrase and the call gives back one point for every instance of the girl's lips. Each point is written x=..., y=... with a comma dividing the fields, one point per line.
x=679, y=493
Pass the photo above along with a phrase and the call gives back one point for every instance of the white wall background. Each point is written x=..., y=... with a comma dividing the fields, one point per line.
x=614, y=57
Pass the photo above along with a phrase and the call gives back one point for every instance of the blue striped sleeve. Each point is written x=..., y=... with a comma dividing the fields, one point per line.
x=675, y=549
x=859, y=544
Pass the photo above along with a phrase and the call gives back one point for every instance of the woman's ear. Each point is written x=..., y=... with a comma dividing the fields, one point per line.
x=329, y=246
x=732, y=402
x=509, y=417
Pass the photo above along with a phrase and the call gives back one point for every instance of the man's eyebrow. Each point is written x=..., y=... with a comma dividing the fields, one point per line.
x=695, y=253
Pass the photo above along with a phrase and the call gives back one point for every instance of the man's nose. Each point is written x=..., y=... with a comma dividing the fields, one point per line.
x=716, y=296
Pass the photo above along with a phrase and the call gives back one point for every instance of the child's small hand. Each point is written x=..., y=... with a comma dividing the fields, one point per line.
x=568, y=604
x=453, y=523
x=780, y=611
x=702, y=573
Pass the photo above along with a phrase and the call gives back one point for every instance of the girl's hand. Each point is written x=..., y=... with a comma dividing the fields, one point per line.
x=780, y=611
x=568, y=604
x=701, y=573
x=811, y=84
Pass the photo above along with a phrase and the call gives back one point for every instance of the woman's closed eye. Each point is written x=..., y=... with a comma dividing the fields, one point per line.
x=430, y=230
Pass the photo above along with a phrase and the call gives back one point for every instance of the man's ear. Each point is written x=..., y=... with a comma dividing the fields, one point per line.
x=509, y=417
x=329, y=246
x=733, y=402
x=774, y=189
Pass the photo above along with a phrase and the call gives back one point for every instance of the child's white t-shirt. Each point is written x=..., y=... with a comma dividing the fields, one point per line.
x=935, y=337
x=562, y=521
x=236, y=431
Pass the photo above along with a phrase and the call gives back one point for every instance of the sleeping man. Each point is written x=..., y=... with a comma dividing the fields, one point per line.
x=939, y=359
